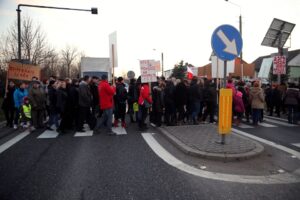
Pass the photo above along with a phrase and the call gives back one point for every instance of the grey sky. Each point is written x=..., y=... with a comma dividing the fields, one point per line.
x=180, y=28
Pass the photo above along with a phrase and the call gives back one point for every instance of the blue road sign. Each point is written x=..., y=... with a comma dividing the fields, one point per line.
x=226, y=42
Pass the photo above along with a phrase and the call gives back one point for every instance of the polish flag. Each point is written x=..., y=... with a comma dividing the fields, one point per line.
x=190, y=73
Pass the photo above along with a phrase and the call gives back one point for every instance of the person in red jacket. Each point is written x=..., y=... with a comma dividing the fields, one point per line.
x=144, y=102
x=106, y=94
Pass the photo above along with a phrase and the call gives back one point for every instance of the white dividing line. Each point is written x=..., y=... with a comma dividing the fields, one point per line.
x=280, y=122
x=284, y=178
x=273, y=144
x=84, y=134
x=296, y=144
x=119, y=130
x=13, y=141
x=276, y=118
x=266, y=125
x=48, y=134
x=244, y=126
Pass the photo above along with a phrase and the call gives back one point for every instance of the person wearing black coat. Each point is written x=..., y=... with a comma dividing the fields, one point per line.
x=275, y=101
x=181, y=94
x=169, y=99
x=210, y=98
x=120, y=102
x=195, y=99
x=131, y=99
x=53, y=111
x=94, y=91
x=61, y=100
x=72, y=104
x=158, y=103
x=8, y=104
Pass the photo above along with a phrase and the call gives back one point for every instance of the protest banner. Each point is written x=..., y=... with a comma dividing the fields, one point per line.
x=25, y=72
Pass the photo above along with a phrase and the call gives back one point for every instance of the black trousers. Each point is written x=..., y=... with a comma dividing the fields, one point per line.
x=120, y=112
x=37, y=118
x=277, y=110
x=9, y=116
x=84, y=116
x=181, y=112
x=143, y=113
x=210, y=110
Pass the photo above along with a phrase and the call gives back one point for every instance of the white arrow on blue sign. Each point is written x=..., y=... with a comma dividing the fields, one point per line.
x=226, y=42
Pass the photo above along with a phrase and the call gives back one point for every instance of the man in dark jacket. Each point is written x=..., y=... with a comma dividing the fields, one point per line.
x=131, y=99
x=292, y=100
x=53, y=113
x=181, y=94
x=94, y=91
x=195, y=99
x=84, y=102
x=61, y=99
x=72, y=104
x=210, y=98
x=8, y=104
x=158, y=102
x=169, y=99
x=37, y=99
x=275, y=100
x=120, y=102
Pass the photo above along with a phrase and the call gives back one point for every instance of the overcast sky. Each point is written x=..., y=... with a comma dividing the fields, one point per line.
x=182, y=29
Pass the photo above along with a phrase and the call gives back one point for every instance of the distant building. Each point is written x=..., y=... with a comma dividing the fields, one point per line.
x=292, y=60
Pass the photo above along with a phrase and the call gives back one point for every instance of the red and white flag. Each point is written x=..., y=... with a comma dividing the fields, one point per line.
x=190, y=73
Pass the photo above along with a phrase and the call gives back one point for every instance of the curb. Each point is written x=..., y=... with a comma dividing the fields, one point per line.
x=213, y=156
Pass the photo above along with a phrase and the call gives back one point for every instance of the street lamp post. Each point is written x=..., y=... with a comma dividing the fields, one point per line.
x=92, y=10
x=240, y=29
x=162, y=62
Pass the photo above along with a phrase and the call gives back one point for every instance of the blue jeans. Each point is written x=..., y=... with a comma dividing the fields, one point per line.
x=105, y=119
x=195, y=110
x=293, y=113
x=17, y=116
x=256, y=115
x=53, y=119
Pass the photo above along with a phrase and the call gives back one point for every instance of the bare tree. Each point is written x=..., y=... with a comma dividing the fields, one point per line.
x=33, y=42
x=69, y=56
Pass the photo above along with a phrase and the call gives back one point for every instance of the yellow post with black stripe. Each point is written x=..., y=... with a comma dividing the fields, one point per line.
x=225, y=111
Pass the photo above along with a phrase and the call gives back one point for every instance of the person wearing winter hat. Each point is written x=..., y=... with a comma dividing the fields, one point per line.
x=25, y=113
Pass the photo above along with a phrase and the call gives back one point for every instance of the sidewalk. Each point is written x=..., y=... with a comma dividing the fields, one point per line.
x=201, y=141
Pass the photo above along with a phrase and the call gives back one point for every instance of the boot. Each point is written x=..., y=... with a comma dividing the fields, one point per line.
x=124, y=124
x=116, y=122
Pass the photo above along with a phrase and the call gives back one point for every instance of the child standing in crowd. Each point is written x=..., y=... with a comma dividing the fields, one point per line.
x=239, y=108
x=25, y=113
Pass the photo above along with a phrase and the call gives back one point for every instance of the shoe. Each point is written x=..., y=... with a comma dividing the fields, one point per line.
x=116, y=122
x=124, y=125
x=15, y=126
x=49, y=128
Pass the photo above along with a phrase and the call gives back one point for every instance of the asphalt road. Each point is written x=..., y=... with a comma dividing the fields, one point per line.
x=111, y=167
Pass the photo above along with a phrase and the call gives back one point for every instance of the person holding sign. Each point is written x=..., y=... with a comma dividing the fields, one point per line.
x=144, y=102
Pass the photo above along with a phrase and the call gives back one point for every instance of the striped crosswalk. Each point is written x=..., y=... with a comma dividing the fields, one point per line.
x=51, y=134
x=269, y=122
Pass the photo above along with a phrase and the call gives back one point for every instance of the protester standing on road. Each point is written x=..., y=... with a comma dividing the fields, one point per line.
x=292, y=100
x=275, y=100
x=145, y=102
x=37, y=101
x=169, y=99
x=132, y=98
x=84, y=102
x=210, y=98
x=257, y=100
x=239, y=108
x=106, y=94
x=72, y=104
x=8, y=104
x=120, y=102
x=94, y=91
x=194, y=99
x=19, y=95
x=25, y=112
x=53, y=112
x=61, y=99
x=181, y=94
x=158, y=103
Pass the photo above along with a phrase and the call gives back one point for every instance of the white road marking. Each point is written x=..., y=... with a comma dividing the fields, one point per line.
x=13, y=141
x=280, y=122
x=83, y=134
x=296, y=144
x=273, y=144
x=48, y=134
x=276, y=118
x=244, y=126
x=119, y=130
x=285, y=178
x=266, y=125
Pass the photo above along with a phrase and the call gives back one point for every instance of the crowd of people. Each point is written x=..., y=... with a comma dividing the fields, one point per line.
x=65, y=104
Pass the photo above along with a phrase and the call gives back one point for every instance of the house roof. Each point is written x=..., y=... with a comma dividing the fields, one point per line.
x=290, y=56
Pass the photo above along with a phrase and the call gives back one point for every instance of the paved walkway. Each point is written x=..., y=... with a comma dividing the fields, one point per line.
x=201, y=140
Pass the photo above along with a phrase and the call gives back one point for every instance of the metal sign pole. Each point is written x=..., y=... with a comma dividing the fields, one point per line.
x=225, y=74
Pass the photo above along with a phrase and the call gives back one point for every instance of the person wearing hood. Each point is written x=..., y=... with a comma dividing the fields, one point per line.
x=37, y=99
x=291, y=100
x=8, y=104
x=257, y=100
x=19, y=95
x=85, y=103
x=120, y=102
x=239, y=108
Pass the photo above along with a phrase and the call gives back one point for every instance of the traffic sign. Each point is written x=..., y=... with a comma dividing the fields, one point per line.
x=226, y=42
